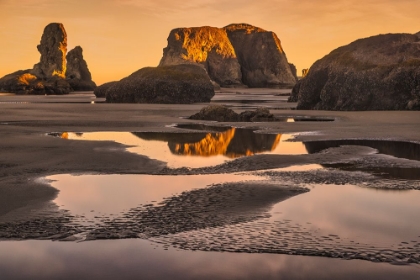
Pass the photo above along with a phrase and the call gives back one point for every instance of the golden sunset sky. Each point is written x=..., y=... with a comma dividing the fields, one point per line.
x=121, y=36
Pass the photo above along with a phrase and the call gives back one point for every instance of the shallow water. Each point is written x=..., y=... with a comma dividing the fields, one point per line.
x=94, y=197
x=338, y=221
x=196, y=149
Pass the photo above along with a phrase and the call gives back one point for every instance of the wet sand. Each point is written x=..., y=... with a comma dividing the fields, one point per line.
x=28, y=153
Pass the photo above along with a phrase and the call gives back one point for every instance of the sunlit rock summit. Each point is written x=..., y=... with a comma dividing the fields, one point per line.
x=376, y=73
x=236, y=55
x=52, y=75
x=206, y=46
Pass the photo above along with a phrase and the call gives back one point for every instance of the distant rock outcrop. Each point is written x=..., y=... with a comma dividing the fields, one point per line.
x=222, y=113
x=100, y=91
x=175, y=84
x=261, y=56
x=217, y=113
x=207, y=46
x=77, y=73
x=234, y=56
x=49, y=75
x=377, y=73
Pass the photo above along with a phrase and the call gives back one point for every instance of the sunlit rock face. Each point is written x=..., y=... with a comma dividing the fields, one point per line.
x=376, y=73
x=77, y=73
x=234, y=56
x=53, y=49
x=23, y=82
x=175, y=84
x=207, y=46
x=262, y=58
x=100, y=91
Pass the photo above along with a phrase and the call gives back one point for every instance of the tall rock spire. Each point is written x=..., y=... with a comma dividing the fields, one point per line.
x=53, y=49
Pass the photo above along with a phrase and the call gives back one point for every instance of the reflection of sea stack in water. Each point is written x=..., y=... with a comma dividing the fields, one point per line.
x=49, y=75
x=232, y=143
x=235, y=55
x=377, y=73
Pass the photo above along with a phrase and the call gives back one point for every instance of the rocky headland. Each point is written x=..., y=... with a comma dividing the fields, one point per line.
x=376, y=73
x=234, y=56
x=52, y=75
x=175, y=84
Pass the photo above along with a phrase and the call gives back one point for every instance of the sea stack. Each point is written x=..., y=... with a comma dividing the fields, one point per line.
x=77, y=73
x=261, y=56
x=376, y=73
x=53, y=49
x=234, y=56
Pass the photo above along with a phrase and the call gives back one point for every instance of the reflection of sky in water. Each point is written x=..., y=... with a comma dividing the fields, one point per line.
x=357, y=213
x=353, y=213
x=116, y=194
x=138, y=259
x=216, y=145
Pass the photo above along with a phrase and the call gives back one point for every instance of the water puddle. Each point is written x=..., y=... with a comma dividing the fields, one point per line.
x=195, y=149
x=243, y=213
x=93, y=198
x=335, y=221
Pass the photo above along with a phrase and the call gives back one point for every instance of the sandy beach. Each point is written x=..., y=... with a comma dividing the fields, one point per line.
x=31, y=156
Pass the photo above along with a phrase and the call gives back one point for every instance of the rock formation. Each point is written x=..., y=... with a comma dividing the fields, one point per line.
x=23, y=82
x=222, y=113
x=77, y=73
x=294, y=72
x=262, y=58
x=207, y=46
x=49, y=75
x=176, y=84
x=53, y=49
x=237, y=55
x=217, y=113
x=100, y=91
x=377, y=73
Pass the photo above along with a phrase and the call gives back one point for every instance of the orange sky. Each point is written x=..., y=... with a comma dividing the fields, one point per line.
x=120, y=36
